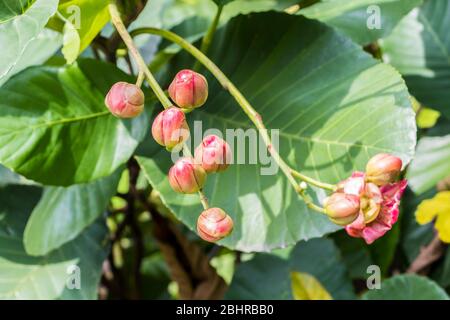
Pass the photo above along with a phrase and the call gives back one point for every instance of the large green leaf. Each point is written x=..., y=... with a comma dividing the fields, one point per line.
x=431, y=164
x=362, y=20
x=20, y=25
x=419, y=48
x=407, y=287
x=264, y=277
x=269, y=277
x=55, y=128
x=334, y=105
x=63, y=213
x=355, y=254
x=39, y=50
x=45, y=277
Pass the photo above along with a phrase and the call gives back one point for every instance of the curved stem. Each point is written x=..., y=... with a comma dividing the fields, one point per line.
x=316, y=183
x=254, y=116
x=122, y=30
x=207, y=39
x=159, y=92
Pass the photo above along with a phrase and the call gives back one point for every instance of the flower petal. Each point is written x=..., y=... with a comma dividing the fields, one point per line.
x=392, y=194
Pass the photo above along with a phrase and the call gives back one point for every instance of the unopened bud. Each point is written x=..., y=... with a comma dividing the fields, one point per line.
x=342, y=208
x=214, y=224
x=125, y=100
x=186, y=176
x=214, y=154
x=189, y=89
x=170, y=128
x=383, y=169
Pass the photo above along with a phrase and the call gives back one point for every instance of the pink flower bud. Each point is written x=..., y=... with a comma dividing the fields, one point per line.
x=186, y=176
x=189, y=89
x=214, y=224
x=214, y=154
x=170, y=128
x=383, y=169
x=342, y=208
x=125, y=100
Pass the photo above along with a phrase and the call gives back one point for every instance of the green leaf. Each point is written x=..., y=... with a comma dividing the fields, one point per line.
x=431, y=163
x=364, y=21
x=333, y=104
x=45, y=277
x=264, y=277
x=383, y=251
x=269, y=277
x=20, y=25
x=55, y=128
x=407, y=287
x=355, y=254
x=63, y=213
x=87, y=16
x=71, y=43
x=419, y=48
x=307, y=287
x=322, y=259
x=38, y=51
x=443, y=275
x=413, y=235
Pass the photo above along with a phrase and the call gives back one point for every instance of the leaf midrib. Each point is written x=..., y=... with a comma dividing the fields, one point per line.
x=62, y=121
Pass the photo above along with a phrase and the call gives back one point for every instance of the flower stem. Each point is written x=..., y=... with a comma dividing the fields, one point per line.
x=159, y=92
x=314, y=182
x=207, y=39
x=254, y=116
x=122, y=30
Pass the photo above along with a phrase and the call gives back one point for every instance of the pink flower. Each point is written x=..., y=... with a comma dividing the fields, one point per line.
x=379, y=207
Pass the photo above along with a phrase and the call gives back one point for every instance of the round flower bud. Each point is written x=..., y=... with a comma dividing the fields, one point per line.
x=342, y=208
x=170, y=128
x=125, y=100
x=189, y=89
x=214, y=154
x=186, y=176
x=214, y=224
x=383, y=169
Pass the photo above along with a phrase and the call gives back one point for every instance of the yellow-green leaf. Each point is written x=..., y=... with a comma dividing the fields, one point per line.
x=427, y=118
x=88, y=18
x=71, y=43
x=437, y=207
x=307, y=287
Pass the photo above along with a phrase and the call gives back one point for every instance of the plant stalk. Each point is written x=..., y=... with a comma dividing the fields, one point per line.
x=159, y=92
x=207, y=39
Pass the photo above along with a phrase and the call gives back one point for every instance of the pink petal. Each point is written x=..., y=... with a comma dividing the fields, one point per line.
x=388, y=216
x=355, y=184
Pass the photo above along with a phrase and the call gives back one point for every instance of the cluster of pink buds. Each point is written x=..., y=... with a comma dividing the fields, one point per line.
x=189, y=90
x=367, y=203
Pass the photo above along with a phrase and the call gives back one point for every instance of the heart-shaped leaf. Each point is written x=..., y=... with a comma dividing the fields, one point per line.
x=20, y=25
x=407, y=287
x=56, y=129
x=364, y=21
x=63, y=213
x=334, y=107
x=70, y=272
x=419, y=48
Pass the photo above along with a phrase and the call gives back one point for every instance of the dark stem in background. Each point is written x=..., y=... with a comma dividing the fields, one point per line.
x=427, y=256
x=132, y=218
